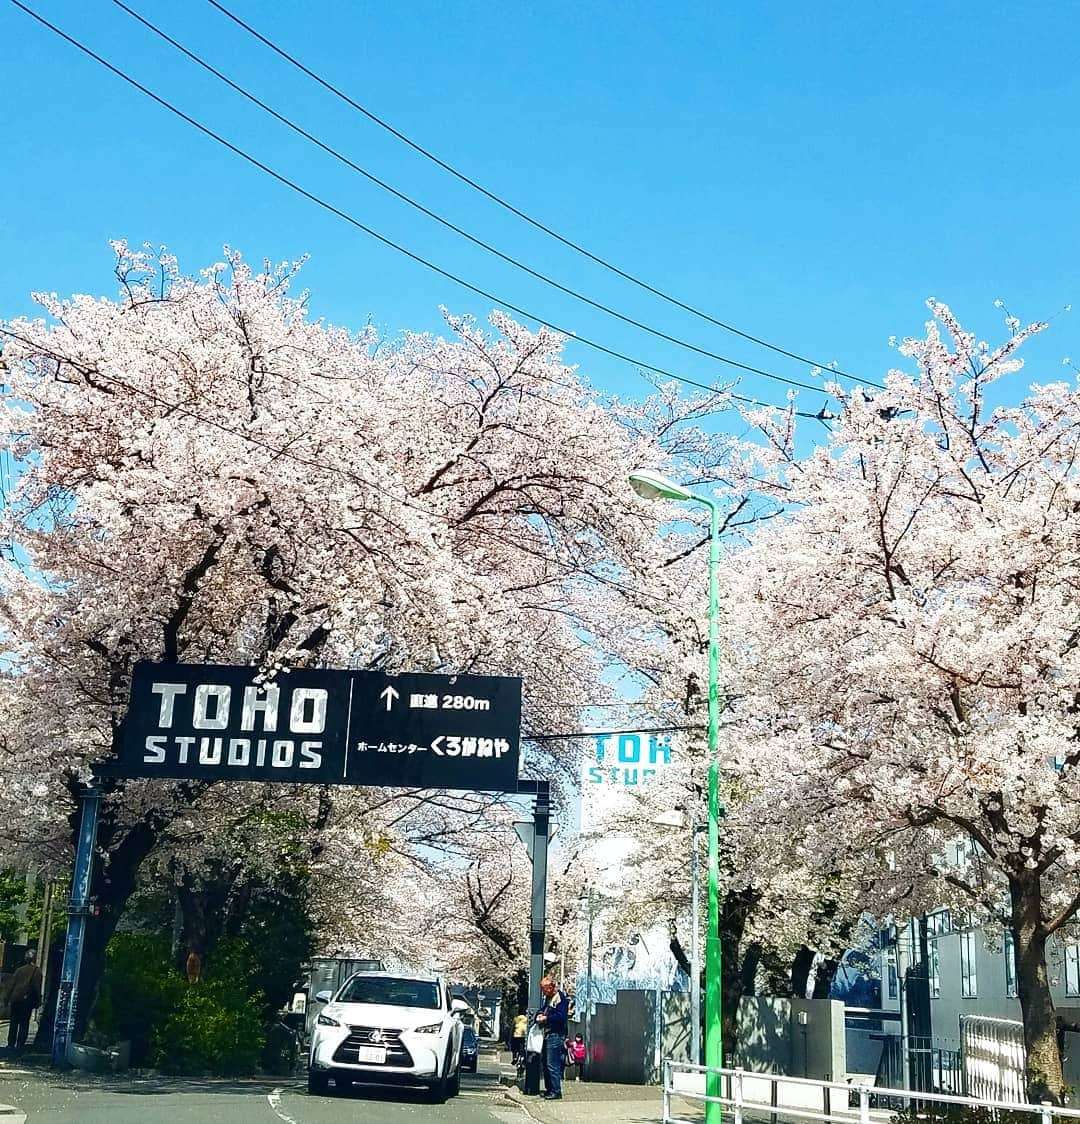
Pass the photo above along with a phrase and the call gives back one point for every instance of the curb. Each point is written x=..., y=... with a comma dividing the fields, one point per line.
x=520, y=1101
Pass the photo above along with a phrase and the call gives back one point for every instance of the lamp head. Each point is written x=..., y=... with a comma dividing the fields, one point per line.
x=670, y=818
x=652, y=485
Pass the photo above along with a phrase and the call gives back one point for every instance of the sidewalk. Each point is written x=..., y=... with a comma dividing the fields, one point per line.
x=593, y=1102
x=597, y=1102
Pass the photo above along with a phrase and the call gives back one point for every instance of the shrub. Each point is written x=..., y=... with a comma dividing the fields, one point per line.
x=139, y=989
x=217, y=1026
x=214, y=1028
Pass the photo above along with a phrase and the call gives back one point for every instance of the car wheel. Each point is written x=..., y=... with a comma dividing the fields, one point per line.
x=316, y=1082
x=454, y=1086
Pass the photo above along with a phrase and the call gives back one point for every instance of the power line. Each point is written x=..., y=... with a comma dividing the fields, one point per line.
x=320, y=465
x=608, y=733
x=353, y=221
x=442, y=220
x=577, y=247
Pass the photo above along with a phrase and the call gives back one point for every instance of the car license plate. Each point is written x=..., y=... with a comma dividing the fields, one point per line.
x=373, y=1055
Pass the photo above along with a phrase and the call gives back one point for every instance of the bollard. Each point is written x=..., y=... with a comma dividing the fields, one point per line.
x=826, y=1099
x=667, y=1091
x=774, y=1096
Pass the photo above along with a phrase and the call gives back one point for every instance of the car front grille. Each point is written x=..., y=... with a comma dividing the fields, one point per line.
x=396, y=1052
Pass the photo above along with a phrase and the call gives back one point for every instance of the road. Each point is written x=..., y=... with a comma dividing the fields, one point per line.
x=78, y=1098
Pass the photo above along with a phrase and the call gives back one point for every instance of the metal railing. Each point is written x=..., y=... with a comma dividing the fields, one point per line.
x=775, y=1095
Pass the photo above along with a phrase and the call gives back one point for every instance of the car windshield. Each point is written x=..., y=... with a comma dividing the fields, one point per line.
x=390, y=991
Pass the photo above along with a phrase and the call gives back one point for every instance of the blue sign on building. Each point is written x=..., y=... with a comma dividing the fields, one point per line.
x=628, y=759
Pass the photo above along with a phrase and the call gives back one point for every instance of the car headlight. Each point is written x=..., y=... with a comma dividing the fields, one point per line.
x=326, y=1020
x=431, y=1028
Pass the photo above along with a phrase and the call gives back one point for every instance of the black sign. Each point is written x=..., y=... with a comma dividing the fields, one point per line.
x=321, y=727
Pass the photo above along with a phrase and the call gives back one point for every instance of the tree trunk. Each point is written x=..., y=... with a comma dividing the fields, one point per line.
x=824, y=976
x=111, y=886
x=204, y=911
x=748, y=969
x=1044, y=1077
x=736, y=906
x=800, y=971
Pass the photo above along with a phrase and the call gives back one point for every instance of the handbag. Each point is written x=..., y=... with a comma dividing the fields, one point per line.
x=534, y=1040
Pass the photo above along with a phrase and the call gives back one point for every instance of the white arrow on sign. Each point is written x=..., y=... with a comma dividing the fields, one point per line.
x=389, y=693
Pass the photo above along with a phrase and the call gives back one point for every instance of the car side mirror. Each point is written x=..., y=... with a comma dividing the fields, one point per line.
x=323, y=996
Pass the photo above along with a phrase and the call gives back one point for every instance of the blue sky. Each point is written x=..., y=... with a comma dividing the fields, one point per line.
x=810, y=173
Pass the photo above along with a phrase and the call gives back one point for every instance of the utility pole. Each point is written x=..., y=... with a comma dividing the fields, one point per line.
x=588, y=992
x=538, y=852
x=67, y=996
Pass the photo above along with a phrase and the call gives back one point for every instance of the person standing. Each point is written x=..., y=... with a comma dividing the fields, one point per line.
x=517, y=1037
x=552, y=1017
x=24, y=997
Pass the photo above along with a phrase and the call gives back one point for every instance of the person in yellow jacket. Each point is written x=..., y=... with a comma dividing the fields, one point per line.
x=517, y=1036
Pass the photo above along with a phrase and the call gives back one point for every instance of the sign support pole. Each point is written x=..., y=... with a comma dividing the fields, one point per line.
x=538, y=912
x=78, y=909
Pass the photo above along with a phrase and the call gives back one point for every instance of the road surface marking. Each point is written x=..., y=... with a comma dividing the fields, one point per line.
x=274, y=1101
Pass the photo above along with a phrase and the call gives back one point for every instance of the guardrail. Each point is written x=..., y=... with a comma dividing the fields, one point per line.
x=776, y=1095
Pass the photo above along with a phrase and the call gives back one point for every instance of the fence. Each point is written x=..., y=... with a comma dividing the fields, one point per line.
x=994, y=1056
x=769, y=1095
x=893, y=1060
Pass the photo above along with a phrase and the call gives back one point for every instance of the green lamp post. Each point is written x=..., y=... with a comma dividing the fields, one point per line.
x=653, y=486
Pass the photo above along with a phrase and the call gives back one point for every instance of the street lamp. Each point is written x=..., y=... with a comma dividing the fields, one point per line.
x=653, y=485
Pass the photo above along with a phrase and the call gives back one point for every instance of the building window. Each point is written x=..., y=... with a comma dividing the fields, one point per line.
x=890, y=971
x=968, y=985
x=1072, y=969
x=933, y=973
x=1010, y=965
x=938, y=922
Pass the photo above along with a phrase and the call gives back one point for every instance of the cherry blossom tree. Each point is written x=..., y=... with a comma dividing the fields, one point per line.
x=204, y=473
x=778, y=918
x=905, y=648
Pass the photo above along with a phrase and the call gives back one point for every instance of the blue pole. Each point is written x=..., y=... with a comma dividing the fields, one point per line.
x=64, y=1020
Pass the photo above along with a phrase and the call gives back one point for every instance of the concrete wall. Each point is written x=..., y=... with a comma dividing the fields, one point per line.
x=624, y=1039
x=632, y=1037
x=772, y=1039
x=675, y=1027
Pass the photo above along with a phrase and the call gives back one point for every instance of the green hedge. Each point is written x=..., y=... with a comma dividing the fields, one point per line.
x=210, y=1030
x=212, y=1026
x=139, y=990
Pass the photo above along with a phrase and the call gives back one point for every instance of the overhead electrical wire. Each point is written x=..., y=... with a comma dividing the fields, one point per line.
x=353, y=221
x=498, y=199
x=320, y=465
x=442, y=220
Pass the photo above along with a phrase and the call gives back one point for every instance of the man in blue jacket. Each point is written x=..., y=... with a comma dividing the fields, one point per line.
x=552, y=1017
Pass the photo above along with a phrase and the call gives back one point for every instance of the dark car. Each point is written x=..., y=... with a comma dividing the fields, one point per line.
x=470, y=1048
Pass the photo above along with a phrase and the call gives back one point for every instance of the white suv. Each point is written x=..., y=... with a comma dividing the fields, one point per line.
x=388, y=1028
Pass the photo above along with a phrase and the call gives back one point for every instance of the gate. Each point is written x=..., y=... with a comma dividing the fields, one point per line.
x=992, y=1058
